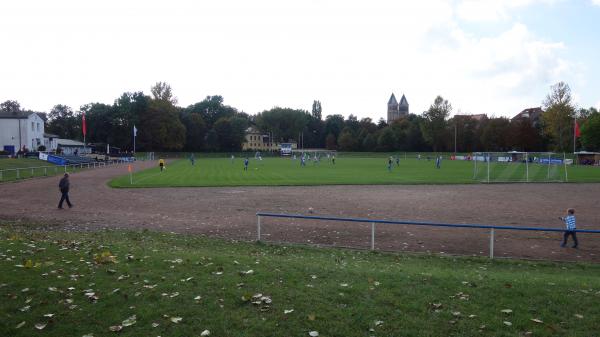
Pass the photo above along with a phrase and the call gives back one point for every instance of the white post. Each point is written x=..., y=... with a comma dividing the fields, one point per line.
x=17, y=173
x=475, y=169
x=565, y=163
x=65, y=168
x=548, y=175
x=527, y=166
x=488, y=167
x=372, y=236
x=45, y=171
x=258, y=228
x=32, y=172
x=491, y=243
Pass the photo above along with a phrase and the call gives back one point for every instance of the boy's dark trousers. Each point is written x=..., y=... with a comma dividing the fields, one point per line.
x=65, y=197
x=566, y=236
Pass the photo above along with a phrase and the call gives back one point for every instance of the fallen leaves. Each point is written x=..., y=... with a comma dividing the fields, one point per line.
x=313, y=334
x=105, y=257
x=131, y=320
x=176, y=320
x=536, y=320
x=40, y=326
x=20, y=325
x=205, y=333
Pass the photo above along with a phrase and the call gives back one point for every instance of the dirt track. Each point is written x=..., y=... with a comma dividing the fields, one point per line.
x=230, y=212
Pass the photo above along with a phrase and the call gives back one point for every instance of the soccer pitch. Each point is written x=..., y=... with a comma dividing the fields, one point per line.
x=288, y=172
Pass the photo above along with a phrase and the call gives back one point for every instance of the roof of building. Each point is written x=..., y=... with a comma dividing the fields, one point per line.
x=49, y=135
x=476, y=117
x=392, y=100
x=403, y=100
x=20, y=115
x=68, y=142
x=532, y=113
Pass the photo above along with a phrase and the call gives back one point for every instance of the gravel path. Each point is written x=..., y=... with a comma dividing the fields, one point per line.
x=230, y=212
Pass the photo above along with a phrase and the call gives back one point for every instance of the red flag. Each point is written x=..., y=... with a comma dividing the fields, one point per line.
x=83, y=126
x=577, y=131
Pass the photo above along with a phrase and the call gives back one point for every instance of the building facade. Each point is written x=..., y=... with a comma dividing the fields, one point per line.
x=21, y=130
x=397, y=110
x=257, y=141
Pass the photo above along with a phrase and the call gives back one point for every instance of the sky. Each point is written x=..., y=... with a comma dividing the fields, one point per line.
x=496, y=57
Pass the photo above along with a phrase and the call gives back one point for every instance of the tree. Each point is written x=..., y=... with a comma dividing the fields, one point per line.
x=283, y=123
x=434, y=123
x=162, y=91
x=330, y=142
x=387, y=140
x=334, y=125
x=370, y=142
x=347, y=140
x=160, y=128
x=64, y=123
x=212, y=140
x=525, y=137
x=590, y=132
x=559, y=115
x=195, y=131
x=211, y=109
x=496, y=135
x=317, y=110
x=10, y=107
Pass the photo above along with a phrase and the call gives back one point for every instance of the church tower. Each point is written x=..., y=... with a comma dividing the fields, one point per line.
x=392, y=113
x=403, y=107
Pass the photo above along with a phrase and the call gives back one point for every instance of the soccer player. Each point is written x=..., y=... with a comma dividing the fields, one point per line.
x=438, y=162
x=397, y=160
x=571, y=227
x=333, y=159
x=390, y=164
x=192, y=159
x=246, y=161
x=232, y=158
x=161, y=164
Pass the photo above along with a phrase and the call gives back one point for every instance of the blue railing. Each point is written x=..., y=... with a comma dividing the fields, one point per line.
x=413, y=223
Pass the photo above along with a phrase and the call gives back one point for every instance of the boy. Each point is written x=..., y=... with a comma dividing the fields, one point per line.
x=246, y=164
x=571, y=227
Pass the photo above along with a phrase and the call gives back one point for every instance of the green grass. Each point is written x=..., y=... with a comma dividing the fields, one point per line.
x=207, y=283
x=7, y=166
x=347, y=171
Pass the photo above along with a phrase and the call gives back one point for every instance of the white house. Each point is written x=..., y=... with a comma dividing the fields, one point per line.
x=19, y=130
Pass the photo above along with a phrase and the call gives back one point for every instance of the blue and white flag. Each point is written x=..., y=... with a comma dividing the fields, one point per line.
x=134, y=131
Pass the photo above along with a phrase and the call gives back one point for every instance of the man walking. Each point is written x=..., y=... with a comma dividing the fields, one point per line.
x=63, y=185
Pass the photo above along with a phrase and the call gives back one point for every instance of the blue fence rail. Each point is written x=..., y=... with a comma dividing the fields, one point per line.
x=492, y=228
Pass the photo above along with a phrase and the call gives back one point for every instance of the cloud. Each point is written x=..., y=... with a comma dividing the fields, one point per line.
x=596, y=2
x=493, y=10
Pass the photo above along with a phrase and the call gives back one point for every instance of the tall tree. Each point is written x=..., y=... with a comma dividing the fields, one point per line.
x=160, y=128
x=10, y=107
x=283, y=123
x=496, y=135
x=64, y=123
x=434, y=123
x=559, y=115
x=162, y=91
x=590, y=132
x=195, y=131
x=317, y=110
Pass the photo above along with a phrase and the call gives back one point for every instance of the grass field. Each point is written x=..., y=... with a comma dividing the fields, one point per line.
x=8, y=168
x=158, y=284
x=346, y=171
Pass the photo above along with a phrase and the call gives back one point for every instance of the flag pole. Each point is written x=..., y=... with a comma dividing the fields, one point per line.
x=574, y=134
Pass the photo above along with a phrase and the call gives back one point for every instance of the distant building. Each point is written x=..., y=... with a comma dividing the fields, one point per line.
x=395, y=109
x=534, y=115
x=257, y=141
x=21, y=130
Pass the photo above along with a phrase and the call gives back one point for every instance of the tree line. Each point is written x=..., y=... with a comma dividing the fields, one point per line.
x=210, y=125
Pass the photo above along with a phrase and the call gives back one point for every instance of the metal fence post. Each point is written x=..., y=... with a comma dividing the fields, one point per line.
x=372, y=236
x=491, y=243
x=32, y=172
x=258, y=228
x=17, y=173
x=65, y=168
x=45, y=171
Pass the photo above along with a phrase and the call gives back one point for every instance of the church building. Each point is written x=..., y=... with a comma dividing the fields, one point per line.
x=395, y=109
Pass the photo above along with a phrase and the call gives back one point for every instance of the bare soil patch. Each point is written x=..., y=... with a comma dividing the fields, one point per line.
x=230, y=212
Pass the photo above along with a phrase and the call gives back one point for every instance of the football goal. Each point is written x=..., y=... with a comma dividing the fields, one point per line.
x=516, y=166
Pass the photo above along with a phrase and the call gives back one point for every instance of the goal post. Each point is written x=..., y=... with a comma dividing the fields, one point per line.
x=515, y=166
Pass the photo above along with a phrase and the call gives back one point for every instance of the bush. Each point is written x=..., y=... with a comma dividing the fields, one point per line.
x=41, y=148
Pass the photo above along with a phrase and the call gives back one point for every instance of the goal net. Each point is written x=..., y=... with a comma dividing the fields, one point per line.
x=519, y=167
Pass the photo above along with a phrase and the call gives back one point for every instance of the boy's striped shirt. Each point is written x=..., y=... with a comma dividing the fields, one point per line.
x=570, y=222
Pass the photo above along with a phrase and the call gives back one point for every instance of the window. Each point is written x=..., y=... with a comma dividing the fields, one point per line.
x=38, y=127
x=32, y=126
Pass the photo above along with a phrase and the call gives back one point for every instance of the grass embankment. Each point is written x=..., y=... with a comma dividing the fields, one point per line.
x=157, y=284
x=25, y=166
x=346, y=171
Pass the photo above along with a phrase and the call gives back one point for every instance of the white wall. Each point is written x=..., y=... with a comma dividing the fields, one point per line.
x=9, y=132
x=35, y=132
